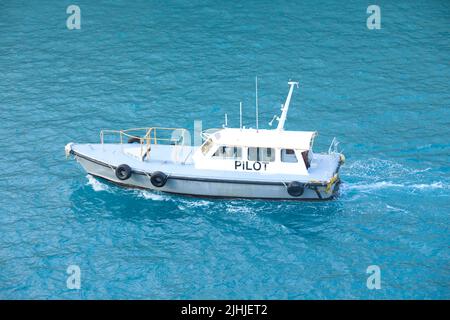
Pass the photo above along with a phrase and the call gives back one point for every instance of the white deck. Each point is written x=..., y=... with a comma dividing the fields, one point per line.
x=177, y=160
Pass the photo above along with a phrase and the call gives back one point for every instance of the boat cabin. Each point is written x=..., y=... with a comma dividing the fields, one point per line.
x=262, y=151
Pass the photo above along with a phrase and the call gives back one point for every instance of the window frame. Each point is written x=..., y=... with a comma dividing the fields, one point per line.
x=238, y=156
x=294, y=154
x=207, y=145
x=272, y=155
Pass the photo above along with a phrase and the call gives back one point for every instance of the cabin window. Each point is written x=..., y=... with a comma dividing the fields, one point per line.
x=261, y=154
x=207, y=146
x=228, y=152
x=288, y=155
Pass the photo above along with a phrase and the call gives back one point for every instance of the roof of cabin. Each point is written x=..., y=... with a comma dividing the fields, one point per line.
x=265, y=138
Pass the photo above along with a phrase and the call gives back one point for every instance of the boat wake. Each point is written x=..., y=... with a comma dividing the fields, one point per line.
x=180, y=202
x=375, y=174
x=389, y=184
x=96, y=185
x=149, y=195
x=374, y=168
x=237, y=208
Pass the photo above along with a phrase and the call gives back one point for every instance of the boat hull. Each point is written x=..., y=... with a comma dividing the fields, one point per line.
x=215, y=188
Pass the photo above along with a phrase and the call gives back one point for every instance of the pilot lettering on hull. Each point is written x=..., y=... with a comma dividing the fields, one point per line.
x=250, y=165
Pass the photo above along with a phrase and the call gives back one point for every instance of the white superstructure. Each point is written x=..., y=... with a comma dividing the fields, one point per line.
x=266, y=151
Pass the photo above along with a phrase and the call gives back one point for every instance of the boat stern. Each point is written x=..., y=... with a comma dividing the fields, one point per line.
x=324, y=174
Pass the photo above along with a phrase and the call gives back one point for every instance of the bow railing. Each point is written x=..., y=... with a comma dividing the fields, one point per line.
x=146, y=137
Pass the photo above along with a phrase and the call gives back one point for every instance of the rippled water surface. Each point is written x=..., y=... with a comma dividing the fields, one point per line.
x=383, y=93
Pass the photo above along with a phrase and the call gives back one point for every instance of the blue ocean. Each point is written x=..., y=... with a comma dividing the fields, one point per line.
x=383, y=93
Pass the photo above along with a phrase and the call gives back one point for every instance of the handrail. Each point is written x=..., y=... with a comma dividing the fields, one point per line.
x=147, y=139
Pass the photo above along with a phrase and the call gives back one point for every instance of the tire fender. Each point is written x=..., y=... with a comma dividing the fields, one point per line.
x=123, y=172
x=158, y=179
x=295, y=188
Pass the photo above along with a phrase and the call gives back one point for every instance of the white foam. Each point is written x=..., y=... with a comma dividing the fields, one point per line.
x=372, y=186
x=373, y=167
x=378, y=174
x=149, y=195
x=195, y=203
x=395, y=209
x=239, y=209
x=389, y=184
x=434, y=185
x=95, y=184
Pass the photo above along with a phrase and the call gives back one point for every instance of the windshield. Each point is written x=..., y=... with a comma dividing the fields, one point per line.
x=207, y=146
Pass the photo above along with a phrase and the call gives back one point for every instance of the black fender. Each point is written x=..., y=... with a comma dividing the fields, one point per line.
x=123, y=172
x=158, y=179
x=295, y=188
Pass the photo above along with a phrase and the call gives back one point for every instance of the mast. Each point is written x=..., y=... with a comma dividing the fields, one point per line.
x=285, y=108
x=240, y=115
x=256, y=102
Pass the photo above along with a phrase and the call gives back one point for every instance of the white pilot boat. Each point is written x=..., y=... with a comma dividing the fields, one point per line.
x=230, y=162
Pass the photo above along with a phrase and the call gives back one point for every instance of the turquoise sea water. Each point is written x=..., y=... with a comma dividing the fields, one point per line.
x=383, y=93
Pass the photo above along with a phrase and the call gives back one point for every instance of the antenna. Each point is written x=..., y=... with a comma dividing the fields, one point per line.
x=256, y=101
x=240, y=115
x=226, y=121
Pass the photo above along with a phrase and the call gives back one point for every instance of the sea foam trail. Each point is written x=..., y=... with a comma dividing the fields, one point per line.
x=149, y=195
x=95, y=184
x=388, y=184
x=181, y=202
x=373, y=168
x=376, y=174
